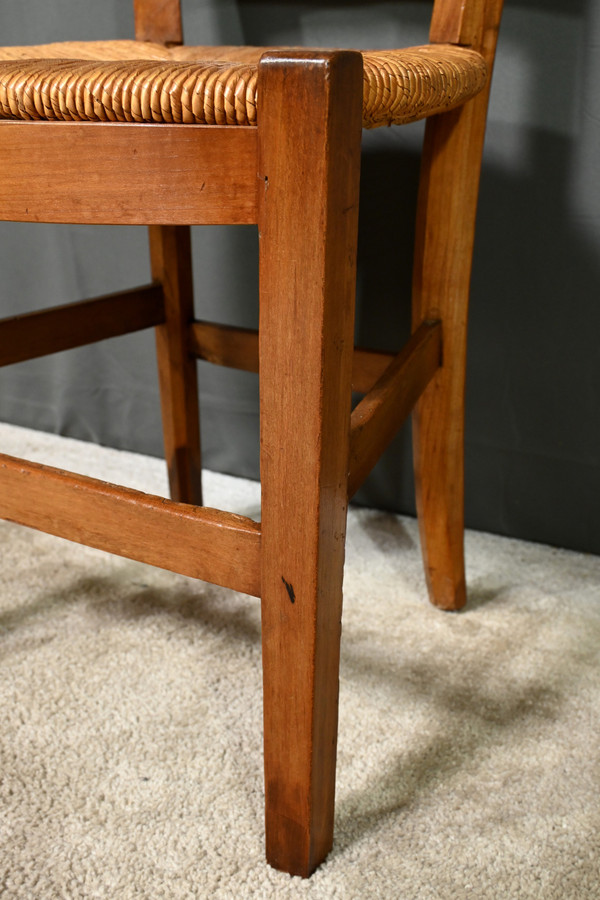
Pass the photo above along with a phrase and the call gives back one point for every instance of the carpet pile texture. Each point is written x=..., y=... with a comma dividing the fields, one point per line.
x=130, y=719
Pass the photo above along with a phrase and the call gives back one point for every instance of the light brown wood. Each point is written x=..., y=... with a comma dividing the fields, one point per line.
x=455, y=22
x=127, y=174
x=470, y=23
x=39, y=333
x=309, y=166
x=367, y=368
x=380, y=414
x=158, y=20
x=226, y=345
x=171, y=258
x=203, y=543
x=443, y=256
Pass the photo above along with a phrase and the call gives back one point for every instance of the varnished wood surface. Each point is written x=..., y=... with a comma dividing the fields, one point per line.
x=226, y=345
x=367, y=367
x=472, y=24
x=39, y=333
x=444, y=241
x=380, y=414
x=203, y=543
x=158, y=20
x=171, y=260
x=309, y=165
x=127, y=174
x=454, y=23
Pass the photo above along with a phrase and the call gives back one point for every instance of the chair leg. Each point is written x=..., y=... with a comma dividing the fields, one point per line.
x=443, y=255
x=438, y=440
x=309, y=136
x=170, y=253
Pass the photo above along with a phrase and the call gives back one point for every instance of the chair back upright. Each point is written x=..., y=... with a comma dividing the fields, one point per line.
x=472, y=23
x=158, y=21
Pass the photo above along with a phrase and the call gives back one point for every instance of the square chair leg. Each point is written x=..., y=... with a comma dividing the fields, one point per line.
x=171, y=258
x=310, y=127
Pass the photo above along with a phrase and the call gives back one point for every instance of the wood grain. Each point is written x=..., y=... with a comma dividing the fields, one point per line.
x=158, y=20
x=127, y=174
x=39, y=333
x=444, y=240
x=454, y=22
x=309, y=165
x=226, y=345
x=171, y=258
x=215, y=546
x=471, y=23
x=377, y=418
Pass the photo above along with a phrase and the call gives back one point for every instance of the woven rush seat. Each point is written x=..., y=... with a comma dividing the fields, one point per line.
x=133, y=81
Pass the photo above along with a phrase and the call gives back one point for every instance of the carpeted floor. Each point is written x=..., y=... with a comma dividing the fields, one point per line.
x=130, y=719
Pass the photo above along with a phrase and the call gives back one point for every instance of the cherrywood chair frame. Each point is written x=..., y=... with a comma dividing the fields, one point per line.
x=315, y=453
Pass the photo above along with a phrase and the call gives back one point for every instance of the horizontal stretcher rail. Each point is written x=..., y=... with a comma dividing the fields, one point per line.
x=382, y=411
x=237, y=348
x=200, y=542
x=45, y=331
x=127, y=173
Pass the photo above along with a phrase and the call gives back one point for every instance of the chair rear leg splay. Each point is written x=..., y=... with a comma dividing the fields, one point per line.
x=442, y=272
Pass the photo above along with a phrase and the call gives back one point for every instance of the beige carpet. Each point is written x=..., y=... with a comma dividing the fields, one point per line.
x=130, y=729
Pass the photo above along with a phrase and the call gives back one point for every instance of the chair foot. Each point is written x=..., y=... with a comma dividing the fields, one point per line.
x=438, y=451
x=290, y=849
x=445, y=592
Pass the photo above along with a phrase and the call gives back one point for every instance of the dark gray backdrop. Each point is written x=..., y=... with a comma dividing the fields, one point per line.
x=533, y=422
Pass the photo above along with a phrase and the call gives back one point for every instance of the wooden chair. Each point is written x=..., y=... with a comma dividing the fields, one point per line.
x=151, y=132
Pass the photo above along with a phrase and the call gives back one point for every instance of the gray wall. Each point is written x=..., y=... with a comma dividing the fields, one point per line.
x=533, y=427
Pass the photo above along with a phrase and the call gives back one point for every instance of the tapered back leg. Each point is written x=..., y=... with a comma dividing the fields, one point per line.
x=171, y=261
x=170, y=253
x=445, y=233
